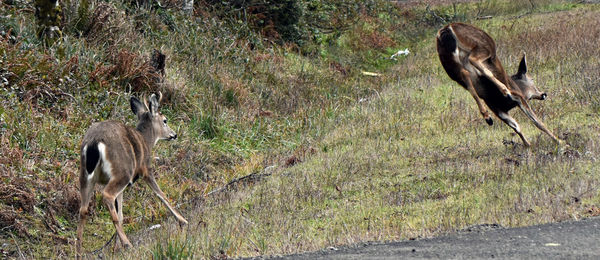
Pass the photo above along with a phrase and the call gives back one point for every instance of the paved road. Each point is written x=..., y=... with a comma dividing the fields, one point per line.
x=565, y=240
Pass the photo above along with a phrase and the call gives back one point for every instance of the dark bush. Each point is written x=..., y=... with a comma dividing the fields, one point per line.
x=280, y=21
x=49, y=15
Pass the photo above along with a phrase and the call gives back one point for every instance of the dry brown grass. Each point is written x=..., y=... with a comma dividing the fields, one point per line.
x=135, y=70
x=568, y=34
x=110, y=27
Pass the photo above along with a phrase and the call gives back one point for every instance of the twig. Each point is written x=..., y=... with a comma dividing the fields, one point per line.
x=247, y=178
x=104, y=246
x=18, y=248
x=7, y=227
x=66, y=94
x=432, y=13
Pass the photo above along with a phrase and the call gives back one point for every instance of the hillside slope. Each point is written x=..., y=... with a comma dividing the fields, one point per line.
x=338, y=156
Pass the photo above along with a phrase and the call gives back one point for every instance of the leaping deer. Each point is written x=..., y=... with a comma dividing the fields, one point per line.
x=116, y=155
x=468, y=55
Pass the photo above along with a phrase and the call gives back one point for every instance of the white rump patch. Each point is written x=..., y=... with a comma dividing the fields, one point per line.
x=106, y=166
x=456, y=55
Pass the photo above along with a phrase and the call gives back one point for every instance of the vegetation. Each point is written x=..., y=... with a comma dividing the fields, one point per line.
x=285, y=143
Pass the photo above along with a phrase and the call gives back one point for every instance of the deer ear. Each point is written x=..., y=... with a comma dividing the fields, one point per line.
x=137, y=107
x=160, y=96
x=522, y=66
x=154, y=104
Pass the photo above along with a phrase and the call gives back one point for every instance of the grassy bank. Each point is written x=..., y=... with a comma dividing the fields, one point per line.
x=346, y=157
x=416, y=159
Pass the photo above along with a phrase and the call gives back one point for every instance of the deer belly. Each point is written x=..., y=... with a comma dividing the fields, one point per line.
x=491, y=95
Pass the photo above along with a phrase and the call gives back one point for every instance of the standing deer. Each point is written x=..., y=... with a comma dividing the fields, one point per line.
x=115, y=155
x=468, y=55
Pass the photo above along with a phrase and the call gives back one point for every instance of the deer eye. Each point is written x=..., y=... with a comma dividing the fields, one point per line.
x=165, y=121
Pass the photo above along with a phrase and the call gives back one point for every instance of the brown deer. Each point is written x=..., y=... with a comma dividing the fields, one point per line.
x=116, y=155
x=468, y=55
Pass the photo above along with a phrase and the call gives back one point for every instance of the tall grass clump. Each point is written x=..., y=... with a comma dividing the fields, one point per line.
x=174, y=250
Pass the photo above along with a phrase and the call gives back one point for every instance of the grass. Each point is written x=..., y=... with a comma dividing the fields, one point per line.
x=416, y=160
x=402, y=166
x=351, y=158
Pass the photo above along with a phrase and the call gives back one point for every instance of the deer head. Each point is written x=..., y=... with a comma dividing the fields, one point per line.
x=525, y=83
x=151, y=123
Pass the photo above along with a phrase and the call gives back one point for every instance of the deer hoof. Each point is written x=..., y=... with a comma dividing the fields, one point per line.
x=489, y=121
x=182, y=223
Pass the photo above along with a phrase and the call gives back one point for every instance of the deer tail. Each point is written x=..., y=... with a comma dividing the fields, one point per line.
x=91, y=157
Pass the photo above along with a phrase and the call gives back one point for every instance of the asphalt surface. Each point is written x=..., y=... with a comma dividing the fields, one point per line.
x=564, y=240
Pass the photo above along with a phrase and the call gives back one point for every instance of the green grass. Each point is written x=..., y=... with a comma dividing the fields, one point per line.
x=417, y=160
x=355, y=158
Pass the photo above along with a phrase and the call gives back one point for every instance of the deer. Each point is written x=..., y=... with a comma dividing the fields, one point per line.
x=115, y=155
x=468, y=55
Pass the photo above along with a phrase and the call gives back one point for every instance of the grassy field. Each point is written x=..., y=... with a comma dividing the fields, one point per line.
x=338, y=157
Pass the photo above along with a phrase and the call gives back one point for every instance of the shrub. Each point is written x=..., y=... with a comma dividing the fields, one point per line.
x=292, y=21
x=277, y=20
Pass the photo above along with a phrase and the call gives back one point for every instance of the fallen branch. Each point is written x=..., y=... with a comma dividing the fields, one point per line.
x=248, y=178
x=245, y=179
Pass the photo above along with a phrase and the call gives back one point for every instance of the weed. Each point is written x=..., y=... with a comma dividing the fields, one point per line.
x=174, y=249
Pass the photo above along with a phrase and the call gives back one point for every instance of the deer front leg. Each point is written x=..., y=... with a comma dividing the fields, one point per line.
x=527, y=110
x=469, y=85
x=152, y=183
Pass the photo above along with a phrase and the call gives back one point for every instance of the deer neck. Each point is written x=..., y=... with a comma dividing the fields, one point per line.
x=148, y=134
x=513, y=84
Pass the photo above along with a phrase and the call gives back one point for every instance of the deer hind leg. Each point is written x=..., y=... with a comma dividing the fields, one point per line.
x=86, y=195
x=119, y=207
x=477, y=63
x=110, y=193
x=527, y=110
x=152, y=183
x=469, y=86
x=513, y=124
